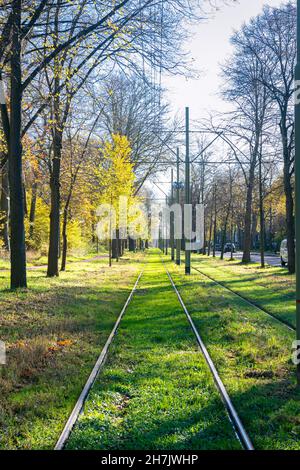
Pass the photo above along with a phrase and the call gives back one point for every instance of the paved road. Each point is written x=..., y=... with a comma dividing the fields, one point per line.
x=273, y=260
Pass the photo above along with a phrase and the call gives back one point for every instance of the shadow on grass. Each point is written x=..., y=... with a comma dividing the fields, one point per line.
x=154, y=329
x=270, y=299
x=152, y=364
x=178, y=432
x=72, y=305
x=262, y=407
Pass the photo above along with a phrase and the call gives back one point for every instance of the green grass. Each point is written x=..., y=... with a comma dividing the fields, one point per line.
x=54, y=332
x=155, y=391
x=271, y=288
x=252, y=352
x=36, y=260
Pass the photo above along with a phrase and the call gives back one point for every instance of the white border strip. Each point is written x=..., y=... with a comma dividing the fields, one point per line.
x=100, y=362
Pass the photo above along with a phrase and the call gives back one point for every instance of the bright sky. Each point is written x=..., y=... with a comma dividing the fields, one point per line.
x=209, y=47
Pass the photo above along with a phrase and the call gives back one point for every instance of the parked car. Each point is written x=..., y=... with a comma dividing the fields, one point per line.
x=229, y=247
x=284, y=253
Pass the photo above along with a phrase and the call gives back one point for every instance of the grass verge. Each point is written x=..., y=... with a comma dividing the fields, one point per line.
x=53, y=333
x=271, y=288
x=155, y=391
x=252, y=353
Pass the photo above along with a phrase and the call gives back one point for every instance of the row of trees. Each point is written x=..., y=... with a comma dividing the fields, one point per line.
x=81, y=75
x=225, y=209
x=250, y=199
x=75, y=73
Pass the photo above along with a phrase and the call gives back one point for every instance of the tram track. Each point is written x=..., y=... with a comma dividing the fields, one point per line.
x=233, y=416
x=249, y=302
x=61, y=442
x=234, y=419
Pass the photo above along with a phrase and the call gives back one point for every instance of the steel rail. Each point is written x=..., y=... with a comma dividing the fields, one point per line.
x=93, y=376
x=233, y=415
x=252, y=304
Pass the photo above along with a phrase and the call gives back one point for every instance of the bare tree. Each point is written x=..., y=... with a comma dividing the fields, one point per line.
x=251, y=100
x=134, y=108
x=271, y=38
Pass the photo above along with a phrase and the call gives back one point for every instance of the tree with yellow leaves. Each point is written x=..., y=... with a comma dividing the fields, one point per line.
x=116, y=177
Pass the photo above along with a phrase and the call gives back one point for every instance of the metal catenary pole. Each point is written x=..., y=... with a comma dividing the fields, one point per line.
x=297, y=190
x=166, y=231
x=172, y=218
x=159, y=233
x=178, y=240
x=162, y=234
x=172, y=241
x=187, y=186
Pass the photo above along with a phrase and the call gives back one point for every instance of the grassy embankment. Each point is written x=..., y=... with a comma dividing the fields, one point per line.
x=271, y=288
x=155, y=391
x=251, y=350
x=54, y=332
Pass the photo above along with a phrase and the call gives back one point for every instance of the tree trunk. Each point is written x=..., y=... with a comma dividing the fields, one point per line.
x=248, y=218
x=18, y=250
x=210, y=235
x=64, y=230
x=32, y=209
x=226, y=218
x=262, y=216
x=223, y=241
x=25, y=200
x=4, y=208
x=110, y=252
x=254, y=232
x=224, y=233
x=119, y=242
x=288, y=190
x=289, y=204
x=131, y=244
x=290, y=224
x=232, y=242
x=54, y=237
x=215, y=221
x=115, y=248
x=64, y=240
